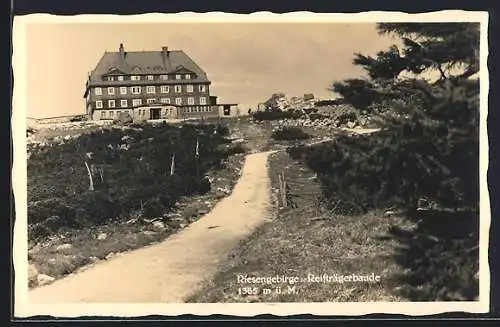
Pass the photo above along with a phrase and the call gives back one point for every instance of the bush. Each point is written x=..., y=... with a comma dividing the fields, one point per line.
x=395, y=167
x=290, y=133
x=276, y=115
x=222, y=130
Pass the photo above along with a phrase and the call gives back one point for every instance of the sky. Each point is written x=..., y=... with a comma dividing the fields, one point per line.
x=246, y=62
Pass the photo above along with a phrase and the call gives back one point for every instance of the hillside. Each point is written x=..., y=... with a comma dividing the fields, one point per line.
x=136, y=196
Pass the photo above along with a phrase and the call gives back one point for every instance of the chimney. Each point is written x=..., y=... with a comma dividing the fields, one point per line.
x=122, y=51
x=165, y=57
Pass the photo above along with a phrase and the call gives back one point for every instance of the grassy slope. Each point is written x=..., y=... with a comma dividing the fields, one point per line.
x=306, y=239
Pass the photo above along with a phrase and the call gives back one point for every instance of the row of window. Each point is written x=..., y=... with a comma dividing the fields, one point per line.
x=150, y=89
x=142, y=112
x=147, y=77
x=137, y=102
x=198, y=109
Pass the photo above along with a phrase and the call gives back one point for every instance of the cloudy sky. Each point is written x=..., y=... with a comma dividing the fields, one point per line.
x=246, y=62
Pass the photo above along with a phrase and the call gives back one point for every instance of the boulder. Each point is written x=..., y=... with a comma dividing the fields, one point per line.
x=159, y=225
x=44, y=279
x=102, y=236
x=32, y=275
x=65, y=246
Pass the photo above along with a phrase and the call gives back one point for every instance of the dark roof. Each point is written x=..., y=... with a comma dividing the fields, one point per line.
x=146, y=62
x=308, y=96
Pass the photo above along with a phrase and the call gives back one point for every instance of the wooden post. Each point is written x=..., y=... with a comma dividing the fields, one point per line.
x=285, y=202
x=280, y=190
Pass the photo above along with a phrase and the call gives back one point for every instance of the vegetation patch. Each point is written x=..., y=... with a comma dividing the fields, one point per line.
x=138, y=196
x=423, y=163
x=304, y=239
x=289, y=133
x=276, y=114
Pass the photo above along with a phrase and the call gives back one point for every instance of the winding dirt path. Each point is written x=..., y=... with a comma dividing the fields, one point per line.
x=172, y=270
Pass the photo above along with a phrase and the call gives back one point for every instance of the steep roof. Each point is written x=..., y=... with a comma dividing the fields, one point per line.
x=146, y=62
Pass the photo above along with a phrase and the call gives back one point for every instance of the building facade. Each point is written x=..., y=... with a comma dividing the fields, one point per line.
x=124, y=81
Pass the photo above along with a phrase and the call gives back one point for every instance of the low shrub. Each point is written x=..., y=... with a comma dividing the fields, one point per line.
x=222, y=130
x=290, y=133
x=130, y=169
x=277, y=115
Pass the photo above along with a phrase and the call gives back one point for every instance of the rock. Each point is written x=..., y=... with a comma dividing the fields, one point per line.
x=110, y=255
x=351, y=124
x=102, y=236
x=203, y=211
x=44, y=279
x=159, y=225
x=126, y=138
x=65, y=246
x=93, y=259
x=124, y=147
x=148, y=233
x=32, y=275
x=390, y=213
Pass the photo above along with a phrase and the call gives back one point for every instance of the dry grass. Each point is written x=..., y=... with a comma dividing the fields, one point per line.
x=306, y=240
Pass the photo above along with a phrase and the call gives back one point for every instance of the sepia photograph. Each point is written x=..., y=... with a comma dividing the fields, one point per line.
x=248, y=164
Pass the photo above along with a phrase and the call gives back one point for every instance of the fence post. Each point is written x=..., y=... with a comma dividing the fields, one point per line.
x=282, y=189
x=285, y=200
x=280, y=183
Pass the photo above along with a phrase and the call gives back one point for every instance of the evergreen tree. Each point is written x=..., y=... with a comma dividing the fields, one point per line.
x=433, y=126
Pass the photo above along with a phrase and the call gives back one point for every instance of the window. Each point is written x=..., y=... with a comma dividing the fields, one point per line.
x=123, y=90
x=189, y=88
x=123, y=104
x=135, y=90
x=98, y=104
x=98, y=91
x=135, y=78
x=150, y=101
x=164, y=77
x=164, y=89
x=191, y=101
x=165, y=100
x=136, y=102
x=111, y=91
x=178, y=89
x=203, y=100
x=111, y=103
x=202, y=88
x=103, y=114
x=120, y=78
x=150, y=89
x=111, y=113
x=178, y=76
x=187, y=76
x=111, y=78
x=150, y=77
x=178, y=101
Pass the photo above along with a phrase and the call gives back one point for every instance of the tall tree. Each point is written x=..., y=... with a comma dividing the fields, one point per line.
x=439, y=117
